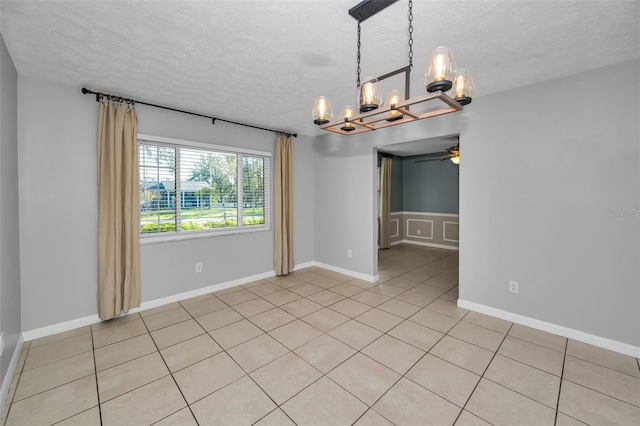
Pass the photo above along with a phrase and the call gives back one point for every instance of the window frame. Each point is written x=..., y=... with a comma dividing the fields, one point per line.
x=161, y=237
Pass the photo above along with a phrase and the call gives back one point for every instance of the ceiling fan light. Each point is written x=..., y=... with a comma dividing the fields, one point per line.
x=347, y=114
x=440, y=68
x=369, y=96
x=455, y=159
x=322, y=111
x=393, y=99
x=463, y=87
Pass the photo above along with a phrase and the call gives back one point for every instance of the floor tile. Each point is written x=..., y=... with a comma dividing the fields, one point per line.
x=595, y=408
x=434, y=320
x=355, y=334
x=158, y=309
x=257, y=352
x=528, y=381
x=401, y=283
x=405, y=404
x=325, y=297
x=468, y=419
x=350, y=307
x=326, y=282
x=235, y=333
x=60, y=336
x=541, y=338
x=275, y=418
x=371, y=418
x=165, y=319
x=189, y=352
x=486, y=321
x=239, y=403
x=325, y=319
x=286, y=281
x=219, y=319
x=440, y=281
x=115, y=321
x=236, y=297
x=281, y=297
x=271, y=319
x=499, y=405
x=399, y=308
x=180, y=418
x=601, y=379
x=176, y=333
x=51, y=375
x=370, y=298
x=205, y=307
x=462, y=354
x=295, y=334
x=324, y=403
x=307, y=276
x=207, y=376
x=387, y=290
x=347, y=289
x=418, y=299
x=305, y=289
x=56, y=404
x=301, y=307
x=362, y=283
x=107, y=336
x=253, y=307
x=325, y=353
x=564, y=420
x=56, y=351
x=123, y=351
x=447, y=308
x=380, y=320
x=428, y=290
x=416, y=335
x=479, y=336
x=451, y=382
x=285, y=377
x=533, y=355
x=393, y=353
x=196, y=299
x=130, y=375
x=136, y=408
x=91, y=417
x=613, y=360
x=264, y=289
x=364, y=378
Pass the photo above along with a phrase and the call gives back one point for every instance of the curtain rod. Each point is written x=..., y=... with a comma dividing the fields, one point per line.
x=100, y=95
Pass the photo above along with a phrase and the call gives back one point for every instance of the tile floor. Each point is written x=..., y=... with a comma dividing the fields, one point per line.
x=317, y=347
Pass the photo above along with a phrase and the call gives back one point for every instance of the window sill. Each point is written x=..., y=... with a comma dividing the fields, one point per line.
x=196, y=235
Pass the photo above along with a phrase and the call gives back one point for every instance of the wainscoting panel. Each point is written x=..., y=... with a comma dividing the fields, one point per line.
x=424, y=228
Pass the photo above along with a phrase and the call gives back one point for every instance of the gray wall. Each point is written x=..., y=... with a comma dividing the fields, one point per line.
x=58, y=207
x=9, y=236
x=547, y=170
x=430, y=186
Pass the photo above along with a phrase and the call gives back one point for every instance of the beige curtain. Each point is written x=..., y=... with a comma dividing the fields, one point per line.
x=283, y=211
x=385, y=203
x=118, y=211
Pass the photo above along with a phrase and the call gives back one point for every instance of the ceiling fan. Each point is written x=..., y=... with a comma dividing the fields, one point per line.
x=452, y=153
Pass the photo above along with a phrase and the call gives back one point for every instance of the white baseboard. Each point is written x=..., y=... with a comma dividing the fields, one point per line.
x=365, y=277
x=93, y=319
x=580, y=336
x=420, y=243
x=6, y=382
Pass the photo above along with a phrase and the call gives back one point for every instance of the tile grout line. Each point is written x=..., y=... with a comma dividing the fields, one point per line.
x=564, y=361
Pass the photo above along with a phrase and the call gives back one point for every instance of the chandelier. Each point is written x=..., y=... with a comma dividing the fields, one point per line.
x=448, y=87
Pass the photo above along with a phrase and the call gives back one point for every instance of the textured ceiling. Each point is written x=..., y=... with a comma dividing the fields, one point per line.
x=264, y=62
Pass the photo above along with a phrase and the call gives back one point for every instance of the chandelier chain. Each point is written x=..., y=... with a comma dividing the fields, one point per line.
x=358, y=80
x=411, y=33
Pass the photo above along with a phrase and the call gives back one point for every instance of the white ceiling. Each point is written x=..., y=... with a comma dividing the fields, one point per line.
x=264, y=62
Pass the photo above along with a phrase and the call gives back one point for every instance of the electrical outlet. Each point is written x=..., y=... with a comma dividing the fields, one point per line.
x=198, y=267
x=513, y=286
x=349, y=253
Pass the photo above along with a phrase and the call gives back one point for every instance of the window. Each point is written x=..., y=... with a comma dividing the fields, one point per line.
x=194, y=189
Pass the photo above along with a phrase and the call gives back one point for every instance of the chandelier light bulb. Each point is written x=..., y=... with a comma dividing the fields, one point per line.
x=440, y=69
x=347, y=114
x=322, y=111
x=369, y=96
x=463, y=86
x=393, y=99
